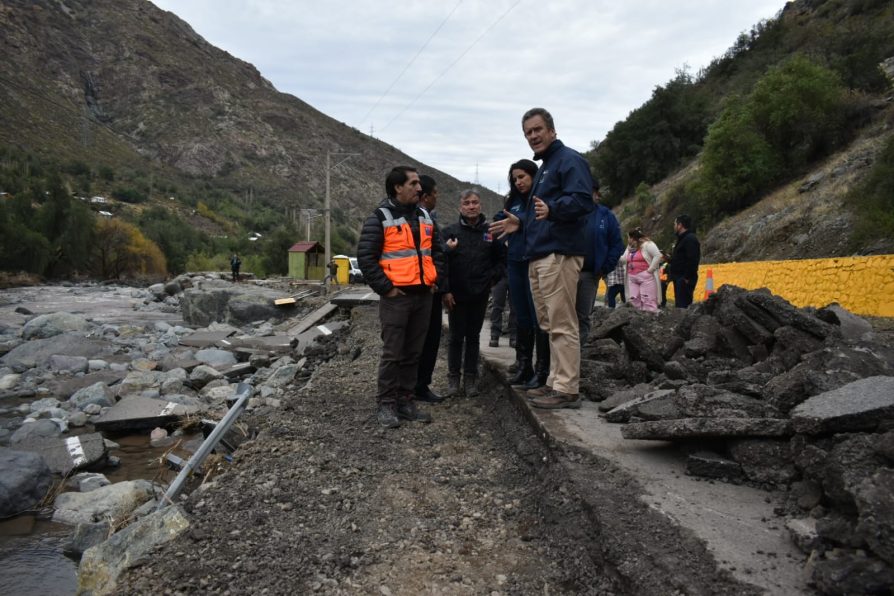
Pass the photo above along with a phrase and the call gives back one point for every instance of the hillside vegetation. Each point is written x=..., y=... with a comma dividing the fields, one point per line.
x=785, y=98
x=193, y=147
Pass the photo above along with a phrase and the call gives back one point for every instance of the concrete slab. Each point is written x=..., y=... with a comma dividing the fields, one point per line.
x=64, y=454
x=139, y=413
x=858, y=406
x=736, y=523
x=355, y=297
x=311, y=319
x=309, y=336
x=204, y=339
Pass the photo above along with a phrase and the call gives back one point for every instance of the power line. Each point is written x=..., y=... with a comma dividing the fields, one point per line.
x=452, y=64
x=410, y=63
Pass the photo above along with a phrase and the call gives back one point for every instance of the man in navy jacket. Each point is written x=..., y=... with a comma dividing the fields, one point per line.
x=605, y=248
x=554, y=226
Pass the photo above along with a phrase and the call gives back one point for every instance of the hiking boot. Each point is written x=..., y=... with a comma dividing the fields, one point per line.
x=386, y=414
x=470, y=386
x=427, y=395
x=538, y=392
x=494, y=342
x=555, y=400
x=512, y=341
x=407, y=410
x=452, y=386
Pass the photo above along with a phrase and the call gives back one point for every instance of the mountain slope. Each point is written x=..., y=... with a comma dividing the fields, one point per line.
x=125, y=84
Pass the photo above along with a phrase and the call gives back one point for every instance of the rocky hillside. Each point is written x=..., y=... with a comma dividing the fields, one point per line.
x=806, y=218
x=124, y=84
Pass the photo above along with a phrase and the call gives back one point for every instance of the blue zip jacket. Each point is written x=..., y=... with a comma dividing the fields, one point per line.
x=564, y=183
x=604, y=239
x=516, y=241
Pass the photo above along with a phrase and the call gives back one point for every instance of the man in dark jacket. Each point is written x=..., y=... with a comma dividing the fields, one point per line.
x=475, y=263
x=400, y=255
x=555, y=240
x=605, y=248
x=684, y=261
x=428, y=200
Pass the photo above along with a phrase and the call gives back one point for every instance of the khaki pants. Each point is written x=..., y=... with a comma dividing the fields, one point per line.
x=554, y=288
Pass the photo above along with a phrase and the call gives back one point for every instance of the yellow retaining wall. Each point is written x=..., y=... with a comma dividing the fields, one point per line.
x=862, y=285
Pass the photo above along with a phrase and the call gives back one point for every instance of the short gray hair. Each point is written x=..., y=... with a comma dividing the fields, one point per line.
x=547, y=117
x=469, y=192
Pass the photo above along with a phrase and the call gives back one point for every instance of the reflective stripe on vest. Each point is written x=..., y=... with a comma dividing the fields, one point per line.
x=401, y=258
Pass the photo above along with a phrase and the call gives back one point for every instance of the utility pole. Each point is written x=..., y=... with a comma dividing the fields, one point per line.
x=327, y=206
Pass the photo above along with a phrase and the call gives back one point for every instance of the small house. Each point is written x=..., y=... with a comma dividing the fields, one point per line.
x=306, y=260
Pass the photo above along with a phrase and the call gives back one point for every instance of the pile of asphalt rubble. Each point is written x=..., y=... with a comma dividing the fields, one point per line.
x=63, y=376
x=760, y=392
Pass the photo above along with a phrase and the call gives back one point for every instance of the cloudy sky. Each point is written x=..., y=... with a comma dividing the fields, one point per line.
x=447, y=81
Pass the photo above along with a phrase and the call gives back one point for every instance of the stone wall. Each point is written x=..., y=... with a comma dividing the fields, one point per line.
x=862, y=285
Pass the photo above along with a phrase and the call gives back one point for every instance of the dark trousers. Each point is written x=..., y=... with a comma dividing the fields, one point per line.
x=683, y=290
x=404, y=321
x=466, y=320
x=429, y=355
x=498, y=295
x=520, y=295
x=612, y=293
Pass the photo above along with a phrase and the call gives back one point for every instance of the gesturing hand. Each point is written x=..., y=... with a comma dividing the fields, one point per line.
x=452, y=243
x=541, y=209
x=504, y=227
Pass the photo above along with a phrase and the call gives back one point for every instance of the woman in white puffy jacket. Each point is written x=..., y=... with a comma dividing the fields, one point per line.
x=641, y=262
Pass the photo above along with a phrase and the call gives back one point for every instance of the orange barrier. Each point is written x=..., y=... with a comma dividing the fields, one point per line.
x=709, y=283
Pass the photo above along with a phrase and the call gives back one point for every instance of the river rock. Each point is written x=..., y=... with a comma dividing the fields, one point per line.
x=843, y=572
x=70, y=453
x=86, y=536
x=87, y=481
x=283, y=375
x=46, y=403
x=37, y=430
x=215, y=357
x=37, y=352
x=8, y=381
x=67, y=364
x=113, y=502
x=861, y=405
x=204, y=374
x=25, y=480
x=138, y=382
x=102, y=565
x=50, y=325
x=98, y=393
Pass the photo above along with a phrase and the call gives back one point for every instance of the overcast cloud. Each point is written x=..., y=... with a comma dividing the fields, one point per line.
x=589, y=62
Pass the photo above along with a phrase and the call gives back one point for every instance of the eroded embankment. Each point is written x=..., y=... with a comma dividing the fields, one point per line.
x=326, y=500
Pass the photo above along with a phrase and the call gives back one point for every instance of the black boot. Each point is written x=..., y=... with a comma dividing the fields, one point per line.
x=541, y=369
x=524, y=352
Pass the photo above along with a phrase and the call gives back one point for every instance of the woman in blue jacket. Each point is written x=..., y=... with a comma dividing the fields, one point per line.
x=521, y=179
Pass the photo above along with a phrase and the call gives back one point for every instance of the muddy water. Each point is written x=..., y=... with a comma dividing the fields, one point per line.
x=31, y=557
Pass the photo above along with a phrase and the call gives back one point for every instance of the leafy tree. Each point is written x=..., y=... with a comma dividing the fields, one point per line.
x=68, y=227
x=275, y=249
x=21, y=248
x=173, y=235
x=122, y=250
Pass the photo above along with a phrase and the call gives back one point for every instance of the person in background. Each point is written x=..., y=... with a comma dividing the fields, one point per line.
x=684, y=261
x=528, y=333
x=498, y=300
x=235, y=263
x=604, y=248
x=475, y=263
x=333, y=271
x=664, y=278
x=642, y=260
x=614, y=283
x=400, y=255
x=428, y=200
x=553, y=225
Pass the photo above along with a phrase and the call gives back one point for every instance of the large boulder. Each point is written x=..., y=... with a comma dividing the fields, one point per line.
x=35, y=431
x=97, y=393
x=238, y=306
x=53, y=324
x=113, y=502
x=37, y=352
x=25, y=480
x=103, y=564
x=216, y=357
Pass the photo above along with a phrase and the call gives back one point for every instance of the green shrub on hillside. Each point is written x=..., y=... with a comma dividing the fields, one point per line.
x=129, y=195
x=796, y=113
